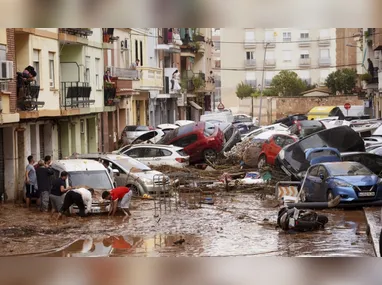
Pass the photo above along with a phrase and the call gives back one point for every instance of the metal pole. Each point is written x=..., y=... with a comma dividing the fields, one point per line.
x=262, y=84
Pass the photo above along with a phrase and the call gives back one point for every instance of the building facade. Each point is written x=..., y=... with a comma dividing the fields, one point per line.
x=246, y=53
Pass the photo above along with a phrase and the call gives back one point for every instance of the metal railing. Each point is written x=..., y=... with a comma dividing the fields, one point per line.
x=324, y=61
x=323, y=41
x=75, y=95
x=304, y=42
x=250, y=62
x=125, y=73
x=109, y=95
x=304, y=61
x=76, y=32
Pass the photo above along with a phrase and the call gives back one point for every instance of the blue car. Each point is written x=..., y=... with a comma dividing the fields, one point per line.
x=350, y=180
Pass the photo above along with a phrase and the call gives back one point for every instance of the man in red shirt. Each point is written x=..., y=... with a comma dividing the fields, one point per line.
x=120, y=197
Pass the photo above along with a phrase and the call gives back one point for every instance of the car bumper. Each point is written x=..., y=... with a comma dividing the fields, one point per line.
x=96, y=209
x=157, y=188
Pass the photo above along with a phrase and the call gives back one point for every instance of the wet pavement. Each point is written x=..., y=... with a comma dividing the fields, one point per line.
x=236, y=225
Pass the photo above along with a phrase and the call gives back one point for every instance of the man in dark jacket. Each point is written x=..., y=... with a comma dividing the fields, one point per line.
x=44, y=173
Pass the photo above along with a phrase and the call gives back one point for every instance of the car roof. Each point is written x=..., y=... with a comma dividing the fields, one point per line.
x=337, y=162
x=172, y=147
x=356, y=152
x=77, y=165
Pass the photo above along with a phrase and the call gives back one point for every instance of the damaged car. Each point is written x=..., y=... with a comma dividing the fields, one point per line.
x=305, y=128
x=293, y=161
x=231, y=135
x=352, y=181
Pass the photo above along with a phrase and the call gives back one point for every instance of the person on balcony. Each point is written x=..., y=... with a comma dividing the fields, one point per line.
x=107, y=77
x=135, y=64
x=370, y=67
x=211, y=78
x=175, y=81
x=28, y=75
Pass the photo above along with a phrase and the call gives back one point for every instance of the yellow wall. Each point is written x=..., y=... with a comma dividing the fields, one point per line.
x=3, y=36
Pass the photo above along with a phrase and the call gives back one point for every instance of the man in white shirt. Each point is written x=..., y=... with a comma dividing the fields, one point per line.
x=81, y=197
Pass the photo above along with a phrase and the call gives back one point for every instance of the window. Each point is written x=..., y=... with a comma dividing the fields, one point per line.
x=270, y=54
x=314, y=172
x=217, y=64
x=279, y=140
x=134, y=153
x=269, y=36
x=97, y=75
x=51, y=70
x=87, y=69
x=141, y=53
x=268, y=78
x=304, y=74
x=165, y=152
x=287, y=36
x=304, y=54
x=36, y=64
x=304, y=35
x=288, y=141
x=151, y=152
x=287, y=55
x=324, y=53
x=249, y=36
x=186, y=141
x=249, y=55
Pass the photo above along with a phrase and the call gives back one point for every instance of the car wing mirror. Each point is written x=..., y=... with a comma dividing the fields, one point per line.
x=322, y=176
x=116, y=172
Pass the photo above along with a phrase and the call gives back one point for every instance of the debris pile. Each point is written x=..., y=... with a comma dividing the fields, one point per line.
x=246, y=152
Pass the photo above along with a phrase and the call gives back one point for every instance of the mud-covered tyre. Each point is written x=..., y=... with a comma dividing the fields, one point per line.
x=329, y=196
x=262, y=161
x=136, y=191
x=210, y=155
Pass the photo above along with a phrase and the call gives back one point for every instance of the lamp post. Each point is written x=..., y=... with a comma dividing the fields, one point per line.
x=262, y=83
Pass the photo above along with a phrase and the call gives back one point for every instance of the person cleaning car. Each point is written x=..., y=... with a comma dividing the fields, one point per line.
x=120, y=197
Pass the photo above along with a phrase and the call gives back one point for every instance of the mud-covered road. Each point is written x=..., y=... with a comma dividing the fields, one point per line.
x=236, y=225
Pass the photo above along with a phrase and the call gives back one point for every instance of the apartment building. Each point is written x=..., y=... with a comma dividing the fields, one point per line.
x=216, y=60
x=246, y=53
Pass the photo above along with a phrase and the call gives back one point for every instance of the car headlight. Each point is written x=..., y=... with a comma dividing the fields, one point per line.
x=342, y=183
x=147, y=181
x=282, y=154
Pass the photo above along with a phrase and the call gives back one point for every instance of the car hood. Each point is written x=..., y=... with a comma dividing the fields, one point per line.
x=151, y=174
x=358, y=180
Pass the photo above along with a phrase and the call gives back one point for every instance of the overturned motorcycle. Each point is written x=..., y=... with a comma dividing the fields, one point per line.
x=300, y=220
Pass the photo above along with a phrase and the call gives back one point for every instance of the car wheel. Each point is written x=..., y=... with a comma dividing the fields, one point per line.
x=262, y=162
x=136, y=191
x=329, y=196
x=209, y=155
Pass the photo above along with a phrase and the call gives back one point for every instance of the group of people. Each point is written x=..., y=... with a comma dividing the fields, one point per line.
x=40, y=185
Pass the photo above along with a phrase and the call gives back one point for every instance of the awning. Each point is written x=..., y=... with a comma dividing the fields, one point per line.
x=194, y=105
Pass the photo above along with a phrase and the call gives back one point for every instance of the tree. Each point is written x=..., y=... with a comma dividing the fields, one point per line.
x=244, y=90
x=342, y=80
x=266, y=93
x=287, y=83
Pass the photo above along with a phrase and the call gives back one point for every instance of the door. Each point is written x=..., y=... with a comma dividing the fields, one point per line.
x=152, y=156
x=310, y=183
x=274, y=148
x=121, y=178
x=136, y=153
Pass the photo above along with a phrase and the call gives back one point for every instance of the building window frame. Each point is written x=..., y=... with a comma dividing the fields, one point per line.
x=287, y=36
x=52, y=81
x=36, y=64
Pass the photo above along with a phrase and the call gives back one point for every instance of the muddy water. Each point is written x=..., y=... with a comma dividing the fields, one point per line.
x=236, y=225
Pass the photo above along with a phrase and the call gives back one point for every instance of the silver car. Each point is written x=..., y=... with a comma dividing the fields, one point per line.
x=131, y=173
x=130, y=133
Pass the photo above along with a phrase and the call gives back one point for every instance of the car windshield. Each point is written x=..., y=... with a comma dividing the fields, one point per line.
x=130, y=163
x=349, y=169
x=97, y=179
x=209, y=129
x=176, y=133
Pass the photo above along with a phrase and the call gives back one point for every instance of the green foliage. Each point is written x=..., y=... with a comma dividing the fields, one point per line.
x=108, y=85
x=342, y=80
x=266, y=93
x=198, y=82
x=366, y=77
x=244, y=90
x=287, y=83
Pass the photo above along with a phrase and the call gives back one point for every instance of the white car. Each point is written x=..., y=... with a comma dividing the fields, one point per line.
x=154, y=155
x=275, y=127
x=182, y=123
x=372, y=140
x=167, y=127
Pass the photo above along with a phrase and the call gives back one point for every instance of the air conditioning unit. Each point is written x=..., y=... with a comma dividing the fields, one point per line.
x=6, y=71
x=125, y=45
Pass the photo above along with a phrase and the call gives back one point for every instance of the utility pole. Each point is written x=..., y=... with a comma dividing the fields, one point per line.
x=262, y=83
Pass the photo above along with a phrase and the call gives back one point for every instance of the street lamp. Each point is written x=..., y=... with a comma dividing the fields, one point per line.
x=262, y=83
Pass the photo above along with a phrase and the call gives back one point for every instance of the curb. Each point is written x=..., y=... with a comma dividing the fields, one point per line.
x=374, y=227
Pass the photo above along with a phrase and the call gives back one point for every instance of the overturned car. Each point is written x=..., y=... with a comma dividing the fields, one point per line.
x=293, y=160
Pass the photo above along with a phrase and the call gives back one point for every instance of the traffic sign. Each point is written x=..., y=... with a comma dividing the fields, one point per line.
x=221, y=106
x=347, y=106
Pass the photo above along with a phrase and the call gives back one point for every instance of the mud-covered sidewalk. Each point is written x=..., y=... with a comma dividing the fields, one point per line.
x=236, y=225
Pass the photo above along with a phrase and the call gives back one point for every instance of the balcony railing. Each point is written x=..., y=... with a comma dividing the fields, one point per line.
x=27, y=97
x=271, y=62
x=304, y=42
x=271, y=42
x=125, y=73
x=110, y=96
x=324, y=61
x=250, y=63
x=250, y=43
x=151, y=77
x=76, y=32
x=76, y=95
x=323, y=41
x=171, y=37
x=304, y=61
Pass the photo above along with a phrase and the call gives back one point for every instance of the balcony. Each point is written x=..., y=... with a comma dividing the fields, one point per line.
x=304, y=62
x=151, y=78
x=124, y=73
x=304, y=42
x=252, y=83
x=324, y=61
x=270, y=63
x=249, y=43
x=74, y=36
x=108, y=38
x=110, y=94
x=76, y=95
x=201, y=47
x=171, y=41
x=249, y=63
x=270, y=43
x=27, y=97
x=323, y=41
x=124, y=87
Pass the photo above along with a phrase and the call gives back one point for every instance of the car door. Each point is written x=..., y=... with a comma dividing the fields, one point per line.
x=121, y=178
x=274, y=147
x=152, y=156
x=188, y=144
x=310, y=183
x=136, y=153
x=321, y=185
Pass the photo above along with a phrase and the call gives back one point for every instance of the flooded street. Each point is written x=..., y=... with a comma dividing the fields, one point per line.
x=236, y=225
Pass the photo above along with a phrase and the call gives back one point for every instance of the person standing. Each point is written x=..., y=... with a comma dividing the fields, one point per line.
x=120, y=197
x=58, y=189
x=135, y=64
x=44, y=173
x=30, y=181
x=81, y=197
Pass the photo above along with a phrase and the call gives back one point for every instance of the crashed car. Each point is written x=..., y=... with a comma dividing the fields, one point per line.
x=352, y=181
x=292, y=159
x=231, y=135
x=370, y=160
x=130, y=133
x=150, y=137
x=305, y=128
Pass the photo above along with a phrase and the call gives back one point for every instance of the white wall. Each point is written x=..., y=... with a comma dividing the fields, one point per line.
x=97, y=92
x=122, y=58
x=10, y=161
x=152, y=52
